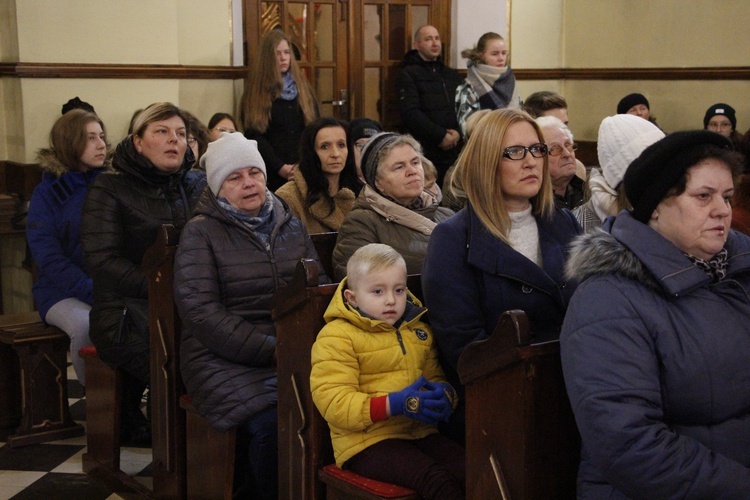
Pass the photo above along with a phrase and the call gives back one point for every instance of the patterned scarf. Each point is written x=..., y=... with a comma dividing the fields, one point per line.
x=715, y=267
x=261, y=224
x=289, y=92
x=494, y=86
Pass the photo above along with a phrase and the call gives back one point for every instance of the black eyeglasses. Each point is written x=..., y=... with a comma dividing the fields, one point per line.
x=538, y=150
x=557, y=150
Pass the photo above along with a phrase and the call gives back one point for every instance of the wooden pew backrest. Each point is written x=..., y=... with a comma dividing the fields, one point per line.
x=520, y=430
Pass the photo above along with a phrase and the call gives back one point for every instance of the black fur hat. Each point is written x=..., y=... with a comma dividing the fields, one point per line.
x=650, y=176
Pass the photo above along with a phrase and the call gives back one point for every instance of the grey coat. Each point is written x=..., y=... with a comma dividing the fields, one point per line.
x=656, y=361
x=224, y=280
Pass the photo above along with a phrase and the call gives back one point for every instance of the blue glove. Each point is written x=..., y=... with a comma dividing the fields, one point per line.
x=418, y=402
x=449, y=393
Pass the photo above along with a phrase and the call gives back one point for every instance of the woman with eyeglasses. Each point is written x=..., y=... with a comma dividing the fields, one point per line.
x=567, y=188
x=505, y=249
x=220, y=122
x=325, y=185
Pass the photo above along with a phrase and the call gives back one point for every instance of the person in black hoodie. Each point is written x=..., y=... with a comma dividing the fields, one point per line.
x=151, y=185
x=426, y=91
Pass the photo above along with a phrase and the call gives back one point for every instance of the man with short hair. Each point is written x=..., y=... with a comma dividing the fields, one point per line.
x=547, y=103
x=567, y=187
x=427, y=89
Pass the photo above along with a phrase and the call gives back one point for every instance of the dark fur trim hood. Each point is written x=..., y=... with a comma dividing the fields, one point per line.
x=598, y=252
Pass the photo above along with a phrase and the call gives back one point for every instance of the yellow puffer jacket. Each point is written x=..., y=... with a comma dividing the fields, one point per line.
x=356, y=359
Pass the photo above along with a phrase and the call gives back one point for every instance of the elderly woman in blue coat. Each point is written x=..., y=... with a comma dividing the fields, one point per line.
x=506, y=249
x=241, y=246
x=656, y=340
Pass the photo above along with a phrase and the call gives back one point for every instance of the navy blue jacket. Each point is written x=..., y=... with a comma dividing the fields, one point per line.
x=53, y=233
x=656, y=360
x=470, y=277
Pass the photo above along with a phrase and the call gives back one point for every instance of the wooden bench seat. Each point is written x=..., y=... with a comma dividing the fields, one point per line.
x=34, y=381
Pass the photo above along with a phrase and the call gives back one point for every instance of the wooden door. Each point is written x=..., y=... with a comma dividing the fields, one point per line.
x=351, y=50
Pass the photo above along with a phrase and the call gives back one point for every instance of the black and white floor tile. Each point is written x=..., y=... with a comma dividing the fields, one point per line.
x=53, y=470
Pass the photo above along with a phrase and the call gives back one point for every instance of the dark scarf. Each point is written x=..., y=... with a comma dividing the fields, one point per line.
x=261, y=224
x=495, y=94
x=715, y=267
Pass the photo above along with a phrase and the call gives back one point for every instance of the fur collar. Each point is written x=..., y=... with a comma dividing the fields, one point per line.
x=598, y=252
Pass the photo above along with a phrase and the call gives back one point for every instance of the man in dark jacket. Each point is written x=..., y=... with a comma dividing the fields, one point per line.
x=427, y=89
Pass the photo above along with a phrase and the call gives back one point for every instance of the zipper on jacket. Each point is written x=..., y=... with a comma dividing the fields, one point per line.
x=400, y=340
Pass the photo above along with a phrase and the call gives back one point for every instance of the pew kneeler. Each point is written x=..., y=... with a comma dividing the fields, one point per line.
x=33, y=368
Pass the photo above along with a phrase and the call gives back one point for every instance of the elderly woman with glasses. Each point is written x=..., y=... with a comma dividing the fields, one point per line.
x=566, y=187
x=506, y=248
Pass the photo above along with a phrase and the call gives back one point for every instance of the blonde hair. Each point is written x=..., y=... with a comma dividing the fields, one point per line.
x=371, y=258
x=157, y=112
x=263, y=85
x=475, y=55
x=478, y=171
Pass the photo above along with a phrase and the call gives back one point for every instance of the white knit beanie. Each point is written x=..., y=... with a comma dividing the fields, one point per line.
x=622, y=138
x=230, y=152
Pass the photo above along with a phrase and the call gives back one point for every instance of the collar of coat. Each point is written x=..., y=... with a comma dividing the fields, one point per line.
x=494, y=256
x=320, y=210
x=632, y=249
x=418, y=220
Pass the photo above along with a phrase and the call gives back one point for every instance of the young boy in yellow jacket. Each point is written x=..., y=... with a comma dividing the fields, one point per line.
x=377, y=381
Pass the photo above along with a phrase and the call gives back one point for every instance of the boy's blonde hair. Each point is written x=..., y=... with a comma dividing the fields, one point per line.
x=371, y=258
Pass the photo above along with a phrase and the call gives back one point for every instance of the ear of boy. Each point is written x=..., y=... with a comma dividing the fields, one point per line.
x=350, y=297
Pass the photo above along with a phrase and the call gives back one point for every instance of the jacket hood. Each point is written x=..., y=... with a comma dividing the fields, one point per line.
x=412, y=57
x=629, y=248
x=51, y=164
x=338, y=308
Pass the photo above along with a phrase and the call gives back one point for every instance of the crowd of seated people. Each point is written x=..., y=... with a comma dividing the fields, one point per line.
x=591, y=258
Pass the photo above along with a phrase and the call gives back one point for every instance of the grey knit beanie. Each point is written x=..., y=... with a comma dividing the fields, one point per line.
x=622, y=138
x=230, y=152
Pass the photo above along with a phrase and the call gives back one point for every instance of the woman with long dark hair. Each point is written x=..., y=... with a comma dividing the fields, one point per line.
x=325, y=185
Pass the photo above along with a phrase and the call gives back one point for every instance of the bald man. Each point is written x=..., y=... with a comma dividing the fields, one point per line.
x=426, y=91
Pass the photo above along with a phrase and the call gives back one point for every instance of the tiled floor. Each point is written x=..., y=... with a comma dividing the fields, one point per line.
x=53, y=470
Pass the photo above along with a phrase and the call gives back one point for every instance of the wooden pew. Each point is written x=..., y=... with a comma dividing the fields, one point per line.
x=521, y=437
x=324, y=244
x=167, y=417
x=104, y=391
x=304, y=437
x=33, y=381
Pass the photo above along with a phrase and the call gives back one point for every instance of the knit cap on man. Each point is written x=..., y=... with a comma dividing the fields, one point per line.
x=227, y=154
x=621, y=139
